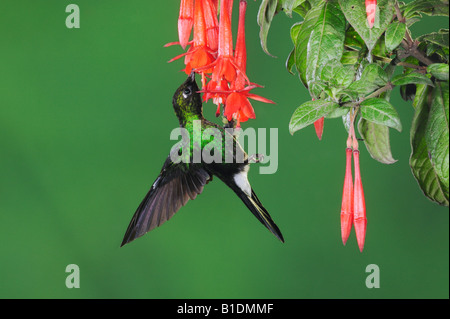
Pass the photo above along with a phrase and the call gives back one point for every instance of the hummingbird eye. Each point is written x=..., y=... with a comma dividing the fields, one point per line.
x=187, y=92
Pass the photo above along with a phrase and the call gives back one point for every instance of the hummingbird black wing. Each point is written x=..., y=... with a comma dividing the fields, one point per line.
x=175, y=185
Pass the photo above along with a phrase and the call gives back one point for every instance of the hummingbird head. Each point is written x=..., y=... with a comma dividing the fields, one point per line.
x=187, y=101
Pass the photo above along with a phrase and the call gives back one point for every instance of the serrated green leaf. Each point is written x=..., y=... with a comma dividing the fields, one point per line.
x=437, y=133
x=394, y=35
x=326, y=42
x=266, y=12
x=309, y=112
x=411, y=78
x=419, y=161
x=376, y=139
x=355, y=12
x=439, y=71
x=301, y=46
x=380, y=111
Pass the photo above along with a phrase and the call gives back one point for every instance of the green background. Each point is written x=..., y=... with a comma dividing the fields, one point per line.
x=85, y=118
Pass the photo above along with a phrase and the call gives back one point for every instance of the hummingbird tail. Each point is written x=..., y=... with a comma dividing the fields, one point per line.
x=252, y=202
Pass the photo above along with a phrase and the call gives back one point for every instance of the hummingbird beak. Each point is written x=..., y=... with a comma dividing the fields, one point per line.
x=192, y=76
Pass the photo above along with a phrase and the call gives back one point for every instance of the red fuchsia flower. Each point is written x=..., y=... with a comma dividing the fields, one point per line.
x=218, y=92
x=199, y=54
x=359, y=205
x=185, y=21
x=212, y=24
x=347, y=199
x=211, y=54
x=318, y=125
x=237, y=104
x=371, y=9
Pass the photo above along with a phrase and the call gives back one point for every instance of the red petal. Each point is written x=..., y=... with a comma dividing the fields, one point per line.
x=185, y=21
x=371, y=9
x=199, y=25
x=232, y=105
x=212, y=25
x=248, y=109
x=225, y=48
x=240, y=53
x=260, y=98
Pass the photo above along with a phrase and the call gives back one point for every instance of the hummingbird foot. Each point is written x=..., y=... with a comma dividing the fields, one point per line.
x=255, y=158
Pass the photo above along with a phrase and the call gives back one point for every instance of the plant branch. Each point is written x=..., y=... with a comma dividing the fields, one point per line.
x=380, y=91
x=409, y=45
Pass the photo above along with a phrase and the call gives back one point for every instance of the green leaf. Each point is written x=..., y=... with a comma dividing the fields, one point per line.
x=437, y=133
x=303, y=35
x=421, y=166
x=302, y=9
x=440, y=38
x=376, y=139
x=350, y=57
x=344, y=75
x=360, y=88
x=290, y=61
x=429, y=7
x=338, y=112
x=380, y=111
x=373, y=73
x=411, y=78
x=266, y=13
x=353, y=40
x=329, y=71
x=326, y=42
x=394, y=35
x=355, y=12
x=289, y=5
x=309, y=112
x=439, y=71
x=295, y=29
x=372, y=78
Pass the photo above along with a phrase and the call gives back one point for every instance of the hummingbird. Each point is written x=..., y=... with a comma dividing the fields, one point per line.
x=181, y=181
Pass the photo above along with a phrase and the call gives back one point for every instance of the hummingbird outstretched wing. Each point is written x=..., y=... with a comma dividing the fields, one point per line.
x=175, y=185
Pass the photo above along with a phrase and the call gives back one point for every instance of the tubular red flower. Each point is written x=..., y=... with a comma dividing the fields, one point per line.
x=212, y=24
x=185, y=21
x=240, y=55
x=359, y=205
x=347, y=199
x=318, y=125
x=371, y=9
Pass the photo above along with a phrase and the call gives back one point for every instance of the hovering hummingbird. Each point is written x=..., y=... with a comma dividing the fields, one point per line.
x=180, y=181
